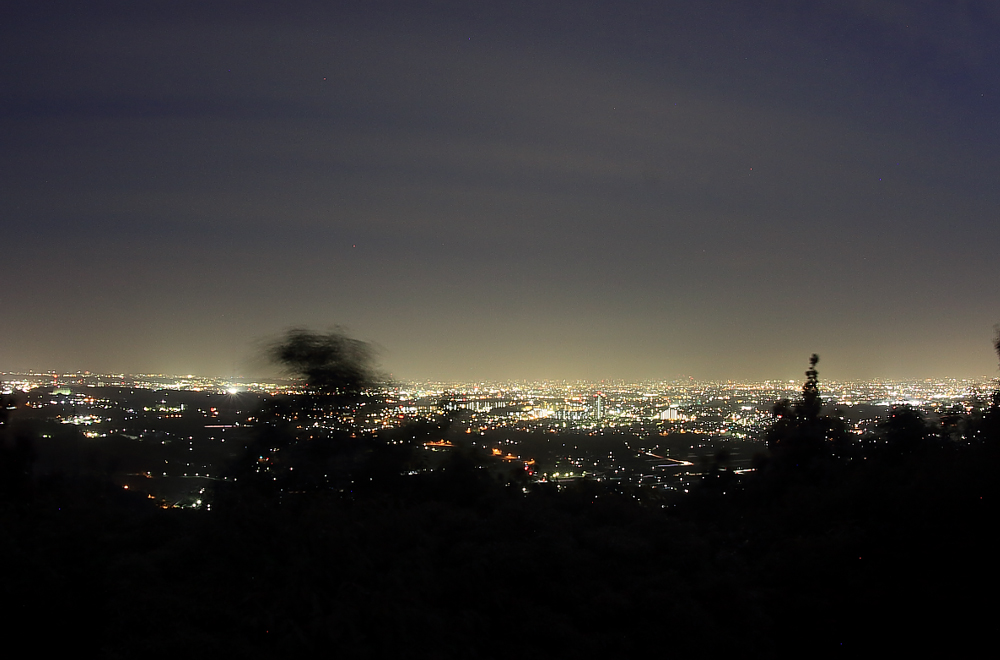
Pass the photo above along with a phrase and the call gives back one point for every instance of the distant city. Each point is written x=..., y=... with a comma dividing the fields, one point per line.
x=171, y=436
x=726, y=408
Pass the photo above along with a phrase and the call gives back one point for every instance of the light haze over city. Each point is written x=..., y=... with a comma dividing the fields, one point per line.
x=586, y=190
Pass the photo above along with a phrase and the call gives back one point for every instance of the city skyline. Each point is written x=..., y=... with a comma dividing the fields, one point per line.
x=587, y=190
x=30, y=379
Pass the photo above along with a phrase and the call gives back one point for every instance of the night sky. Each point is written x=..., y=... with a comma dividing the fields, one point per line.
x=633, y=190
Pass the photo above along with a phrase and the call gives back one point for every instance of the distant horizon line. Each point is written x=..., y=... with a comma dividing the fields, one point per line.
x=481, y=381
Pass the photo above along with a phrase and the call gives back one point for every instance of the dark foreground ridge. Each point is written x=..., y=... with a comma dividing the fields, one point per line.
x=832, y=547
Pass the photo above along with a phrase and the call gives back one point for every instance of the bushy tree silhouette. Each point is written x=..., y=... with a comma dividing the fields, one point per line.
x=308, y=441
x=331, y=364
x=904, y=432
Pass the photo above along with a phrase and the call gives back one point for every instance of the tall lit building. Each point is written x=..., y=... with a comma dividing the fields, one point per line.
x=598, y=406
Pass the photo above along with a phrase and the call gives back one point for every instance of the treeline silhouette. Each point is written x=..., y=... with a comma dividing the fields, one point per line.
x=330, y=541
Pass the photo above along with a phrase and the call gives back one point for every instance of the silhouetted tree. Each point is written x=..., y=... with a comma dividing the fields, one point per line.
x=17, y=453
x=717, y=475
x=810, y=404
x=796, y=428
x=991, y=421
x=800, y=435
x=332, y=364
x=905, y=431
x=308, y=441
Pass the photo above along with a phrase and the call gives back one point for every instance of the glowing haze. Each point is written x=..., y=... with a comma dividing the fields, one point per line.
x=504, y=190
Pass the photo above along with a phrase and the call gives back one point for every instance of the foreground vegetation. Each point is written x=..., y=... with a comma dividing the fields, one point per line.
x=832, y=547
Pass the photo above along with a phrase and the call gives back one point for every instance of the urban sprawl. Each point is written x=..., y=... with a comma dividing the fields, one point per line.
x=172, y=436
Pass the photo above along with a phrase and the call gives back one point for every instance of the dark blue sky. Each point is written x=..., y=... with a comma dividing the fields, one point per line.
x=562, y=189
